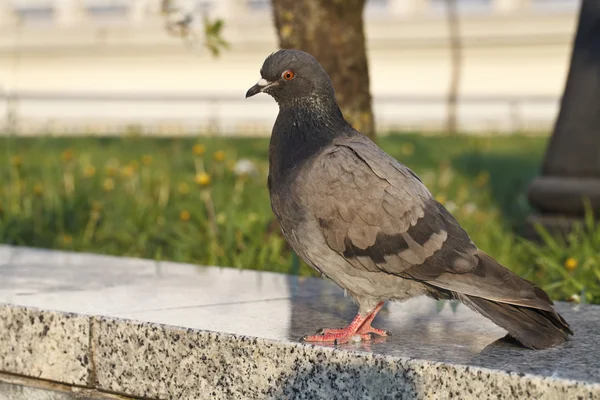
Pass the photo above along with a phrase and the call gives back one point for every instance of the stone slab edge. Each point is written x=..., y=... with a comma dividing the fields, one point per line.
x=16, y=387
x=167, y=362
x=45, y=344
x=147, y=360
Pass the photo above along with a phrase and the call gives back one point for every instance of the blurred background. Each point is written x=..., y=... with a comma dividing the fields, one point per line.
x=125, y=129
x=105, y=66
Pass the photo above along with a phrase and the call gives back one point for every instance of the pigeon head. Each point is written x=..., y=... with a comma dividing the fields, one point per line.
x=292, y=76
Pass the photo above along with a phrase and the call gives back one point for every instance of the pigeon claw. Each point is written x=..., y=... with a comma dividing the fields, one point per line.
x=375, y=331
x=324, y=331
x=338, y=336
x=361, y=330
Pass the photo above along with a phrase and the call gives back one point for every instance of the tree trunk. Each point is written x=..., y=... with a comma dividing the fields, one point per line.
x=456, y=63
x=332, y=31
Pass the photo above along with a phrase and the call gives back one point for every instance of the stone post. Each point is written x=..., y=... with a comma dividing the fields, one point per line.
x=571, y=168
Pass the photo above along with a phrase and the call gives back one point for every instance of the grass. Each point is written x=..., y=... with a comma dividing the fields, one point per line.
x=205, y=201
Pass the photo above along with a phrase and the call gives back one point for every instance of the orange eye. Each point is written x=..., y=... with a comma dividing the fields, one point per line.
x=288, y=75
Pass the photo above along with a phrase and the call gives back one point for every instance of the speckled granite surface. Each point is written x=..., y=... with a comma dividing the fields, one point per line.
x=173, y=331
x=45, y=344
x=15, y=387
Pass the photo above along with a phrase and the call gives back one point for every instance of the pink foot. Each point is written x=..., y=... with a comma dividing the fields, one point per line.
x=338, y=338
x=365, y=329
x=360, y=327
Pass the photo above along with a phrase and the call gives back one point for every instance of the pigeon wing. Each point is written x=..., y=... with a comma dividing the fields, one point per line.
x=377, y=214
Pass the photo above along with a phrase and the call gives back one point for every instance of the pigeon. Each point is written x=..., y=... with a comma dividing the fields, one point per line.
x=368, y=223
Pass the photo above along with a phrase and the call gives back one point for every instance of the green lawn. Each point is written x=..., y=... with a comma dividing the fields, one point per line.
x=181, y=199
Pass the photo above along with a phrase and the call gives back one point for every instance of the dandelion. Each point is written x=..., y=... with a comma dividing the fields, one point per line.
x=571, y=264
x=408, y=149
x=108, y=185
x=16, y=161
x=89, y=171
x=451, y=206
x=67, y=155
x=147, y=160
x=575, y=298
x=244, y=167
x=203, y=179
x=184, y=215
x=67, y=239
x=38, y=189
x=128, y=171
x=219, y=155
x=198, y=150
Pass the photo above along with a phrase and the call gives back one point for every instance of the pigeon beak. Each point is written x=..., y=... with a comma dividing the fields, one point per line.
x=260, y=86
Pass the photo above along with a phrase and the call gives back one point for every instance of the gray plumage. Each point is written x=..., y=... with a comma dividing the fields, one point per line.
x=368, y=223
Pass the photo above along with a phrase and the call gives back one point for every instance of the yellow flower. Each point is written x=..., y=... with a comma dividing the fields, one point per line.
x=219, y=155
x=183, y=188
x=38, y=189
x=221, y=218
x=147, y=160
x=135, y=165
x=89, y=171
x=16, y=161
x=128, y=171
x=109, y=184
x=67, y=239
x=203, y=179
x=408, y=149
x=184, y=215
x=571, y=264
x=440, y=198
x=198, y=150
x=67, y=155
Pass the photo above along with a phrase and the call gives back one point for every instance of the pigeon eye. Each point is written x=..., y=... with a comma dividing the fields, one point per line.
x=288, y=75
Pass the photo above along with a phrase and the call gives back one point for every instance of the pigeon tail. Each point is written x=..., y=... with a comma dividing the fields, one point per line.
x=532, y=327
x=533, y=321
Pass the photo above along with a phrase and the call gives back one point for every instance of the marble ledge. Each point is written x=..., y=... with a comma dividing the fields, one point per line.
x=141, y=329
